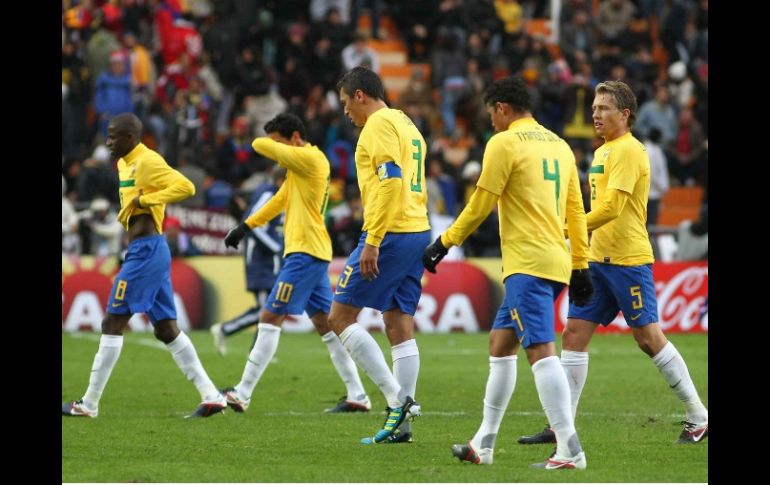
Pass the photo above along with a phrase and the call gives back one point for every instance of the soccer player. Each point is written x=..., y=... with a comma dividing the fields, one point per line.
x=384, y=271
x=530, y=173
x=143, y=284
x=262, y=260
x=620, y=262
x=303, y=282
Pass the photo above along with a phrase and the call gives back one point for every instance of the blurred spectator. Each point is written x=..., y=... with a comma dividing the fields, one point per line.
x=374, y=15
x=657, y=113
x=96, y=179
x=179, y=242
x=112, y=92
x=449, y=69
x=614, y=17
x=693, y=239
x=105, y=233
x=578, y=115
x=417, y=100
x=70, y=240
x=345, y=222
x=442, y=190
x=359, y=54
x=687, y=165
x=196, y=175
x=680, y=86
x=659, y=183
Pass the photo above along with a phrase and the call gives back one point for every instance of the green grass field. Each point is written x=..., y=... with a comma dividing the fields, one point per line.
x=628, y=418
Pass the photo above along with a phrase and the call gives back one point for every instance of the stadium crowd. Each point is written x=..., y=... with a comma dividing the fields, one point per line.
x=204, y=76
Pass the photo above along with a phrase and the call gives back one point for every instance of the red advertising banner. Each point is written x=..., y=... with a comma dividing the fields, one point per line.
x=460, y=298
x=86, y=286
x=206, y=228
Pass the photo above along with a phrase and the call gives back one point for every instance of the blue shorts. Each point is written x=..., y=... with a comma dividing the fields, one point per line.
x=627, y=288
x=302, y=285
x=528, y=308
x=143, y=284
x=399, y=284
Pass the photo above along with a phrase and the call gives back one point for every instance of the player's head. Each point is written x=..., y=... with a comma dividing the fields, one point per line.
x=124, y=132
x=614, y=108
x=506, y=99
x=356, y=88
x=286, y=128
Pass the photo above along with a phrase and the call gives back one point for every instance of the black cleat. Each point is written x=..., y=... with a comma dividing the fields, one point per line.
x=345, y=406
x=399, y=437
x=543, y=437
x=693, y=433
x=206, y=409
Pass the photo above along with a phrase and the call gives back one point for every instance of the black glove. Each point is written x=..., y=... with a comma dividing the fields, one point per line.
x=236, y=234
x=433, y=255
x=580, y=287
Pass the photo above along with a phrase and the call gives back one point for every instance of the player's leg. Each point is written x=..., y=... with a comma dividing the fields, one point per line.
x=532, y=308
x=355, y=399
x=130, y=294
x=293, y=287
x=635, y=290
x=401, y=255
x=501, y=383
x=110, y=346
x=220, y=331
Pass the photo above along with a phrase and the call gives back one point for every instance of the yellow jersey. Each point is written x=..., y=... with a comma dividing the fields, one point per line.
x=303, y=195
x=533, y=172
x=145, y=170
x=622, y=164
x=389, y=136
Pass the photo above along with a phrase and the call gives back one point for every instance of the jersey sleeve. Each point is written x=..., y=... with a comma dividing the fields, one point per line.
x=154, y=171
x=625, y=168
x=494, y=169
x=297, y=159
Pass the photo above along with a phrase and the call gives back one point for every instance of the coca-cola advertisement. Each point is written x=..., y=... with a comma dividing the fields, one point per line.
x=682, y=290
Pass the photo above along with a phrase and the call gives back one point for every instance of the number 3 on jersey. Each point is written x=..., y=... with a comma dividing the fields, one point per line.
x=417, y=156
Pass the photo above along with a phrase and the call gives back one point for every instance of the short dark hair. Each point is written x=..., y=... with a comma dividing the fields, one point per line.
x=364, y=79
x=510, y=90
x=127, y=123
x=623, y=96
x=286, y=124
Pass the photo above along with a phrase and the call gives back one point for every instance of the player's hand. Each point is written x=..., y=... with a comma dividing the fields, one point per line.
x=580, y=287
x=235, y=235
x=433, y=255
x=367, y=263
x=136, y=202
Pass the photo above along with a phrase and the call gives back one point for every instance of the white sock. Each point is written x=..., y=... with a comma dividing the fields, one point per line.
x=575, y=365
x=367, y=354
x=671, y=364
x=259, y=358
x=345, y=366
x=406, y=367
x=183, y=352
x=553, y=390
x=500, y=385
x=104, y=361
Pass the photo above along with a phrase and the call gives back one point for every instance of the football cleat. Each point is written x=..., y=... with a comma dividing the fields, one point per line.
x=346, y=406
x=557, y=463
x=466, y=453
x=545, y=436
x=396, y=416
x=220, y=339
x=236, y=403
x=209, y=408
x=77, y=408
x=693, y=433
x=395, y=438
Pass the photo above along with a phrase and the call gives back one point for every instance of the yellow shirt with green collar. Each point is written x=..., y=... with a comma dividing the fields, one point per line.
x=303, y=195
x=620, y=184
x=531, y=174
x=144, y=171
x=393, y=202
